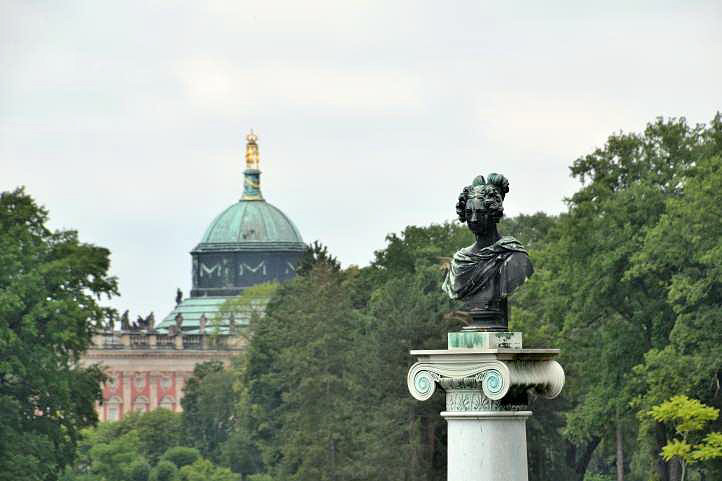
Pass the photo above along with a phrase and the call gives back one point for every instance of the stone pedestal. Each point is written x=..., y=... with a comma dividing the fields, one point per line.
x=487, y=393
x=484, y=340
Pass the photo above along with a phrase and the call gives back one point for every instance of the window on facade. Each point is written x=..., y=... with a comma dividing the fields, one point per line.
x=112, y=381
x=165, y=382
x=167, y=403
x=140, y=404
x=140, y=381
x=115, y=406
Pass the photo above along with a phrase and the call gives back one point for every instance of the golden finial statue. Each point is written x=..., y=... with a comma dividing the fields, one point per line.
x=252, y=156
x=252, y=176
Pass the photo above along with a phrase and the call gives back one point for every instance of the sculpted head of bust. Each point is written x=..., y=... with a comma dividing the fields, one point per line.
x=481, y=206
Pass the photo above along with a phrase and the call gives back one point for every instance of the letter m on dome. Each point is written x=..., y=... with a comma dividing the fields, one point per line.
x=260, y=267
x=207, y=272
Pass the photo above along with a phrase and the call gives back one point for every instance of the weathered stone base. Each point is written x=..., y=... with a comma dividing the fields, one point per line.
x=484, y=340
x=487, y=446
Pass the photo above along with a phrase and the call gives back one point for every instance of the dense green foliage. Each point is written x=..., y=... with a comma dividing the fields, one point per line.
x=144, y=447
x=209, y=404
x=628, y=285
x=49, y=287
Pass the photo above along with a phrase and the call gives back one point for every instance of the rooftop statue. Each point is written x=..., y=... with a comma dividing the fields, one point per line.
x=484, y=274
x=202, y=324
x=124, y=321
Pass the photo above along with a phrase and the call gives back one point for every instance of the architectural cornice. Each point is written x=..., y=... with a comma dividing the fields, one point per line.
x=157, y=353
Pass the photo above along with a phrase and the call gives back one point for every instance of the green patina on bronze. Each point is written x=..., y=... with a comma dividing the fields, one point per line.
x=251, y=222
x=484, y=340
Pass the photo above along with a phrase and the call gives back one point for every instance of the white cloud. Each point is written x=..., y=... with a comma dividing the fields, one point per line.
x=533, y=124
x=221, y=86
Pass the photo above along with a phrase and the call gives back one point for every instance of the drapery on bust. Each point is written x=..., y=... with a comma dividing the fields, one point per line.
x=484, y=274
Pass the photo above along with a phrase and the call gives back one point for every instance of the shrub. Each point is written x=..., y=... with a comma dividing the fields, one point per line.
x=138, y=470
x=181, y=456
x=164, y=471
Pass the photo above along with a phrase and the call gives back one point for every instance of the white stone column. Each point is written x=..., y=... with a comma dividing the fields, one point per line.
x=487, y=445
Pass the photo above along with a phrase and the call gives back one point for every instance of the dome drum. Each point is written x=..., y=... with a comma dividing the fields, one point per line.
x=228, y=273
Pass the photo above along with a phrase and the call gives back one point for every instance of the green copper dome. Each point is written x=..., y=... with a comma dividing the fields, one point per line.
x=251, y=221
x=250, y=243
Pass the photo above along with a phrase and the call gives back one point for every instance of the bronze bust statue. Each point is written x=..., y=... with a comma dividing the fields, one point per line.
x=484, y=274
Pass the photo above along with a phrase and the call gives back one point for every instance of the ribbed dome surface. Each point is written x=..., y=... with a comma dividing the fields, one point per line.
x=251, y=221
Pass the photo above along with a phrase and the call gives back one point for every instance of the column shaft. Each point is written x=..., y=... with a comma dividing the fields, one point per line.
x=487, y=445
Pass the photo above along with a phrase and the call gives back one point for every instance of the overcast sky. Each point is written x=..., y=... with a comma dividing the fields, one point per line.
x=126, y=119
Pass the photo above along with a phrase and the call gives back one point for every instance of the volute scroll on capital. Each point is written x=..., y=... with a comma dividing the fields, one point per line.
x=494, y=377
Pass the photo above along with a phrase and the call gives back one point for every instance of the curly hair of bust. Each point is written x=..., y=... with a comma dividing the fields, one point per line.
x=498, y=181
x=461, y=204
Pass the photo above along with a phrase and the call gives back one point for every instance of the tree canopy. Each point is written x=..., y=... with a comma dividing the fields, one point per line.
x=151, y=446
x=50, y=284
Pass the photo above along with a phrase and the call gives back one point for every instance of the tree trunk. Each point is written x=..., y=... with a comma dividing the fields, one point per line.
x=580, y=467
x=413, y=445
x=620, y=451
x=430, y=432
x=431, y=436
x=675, y=470
x=570, y=453
x=332, y=449
x=660, y=466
